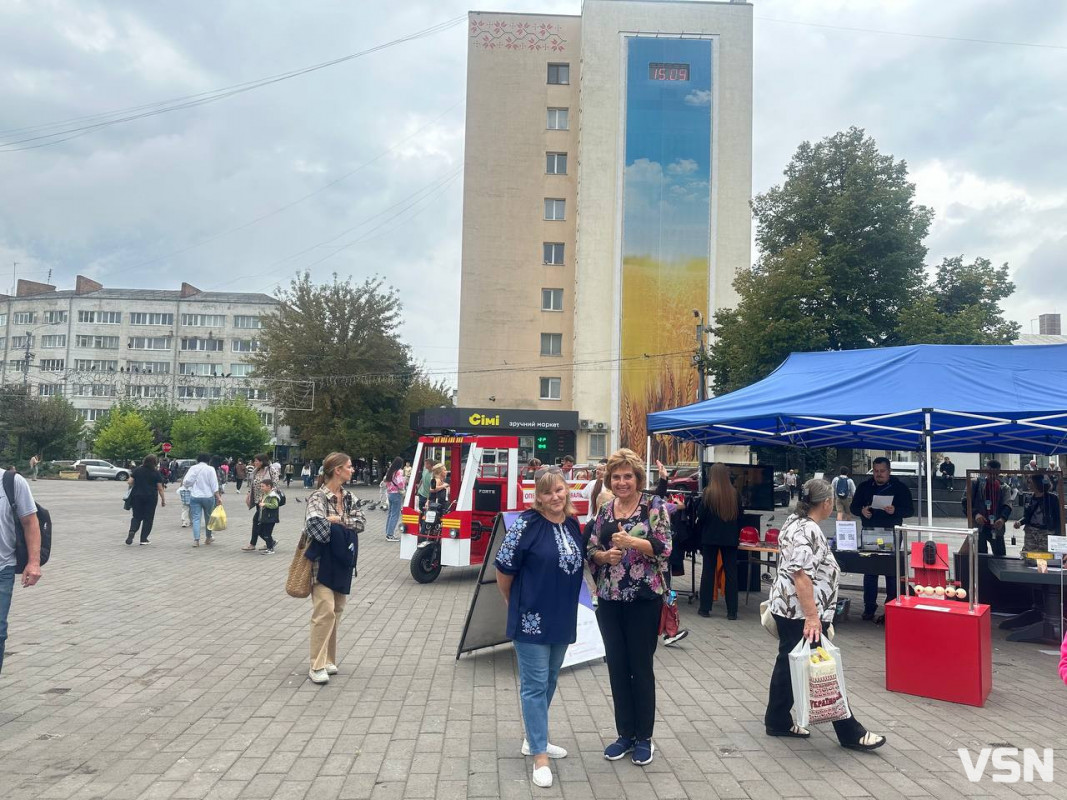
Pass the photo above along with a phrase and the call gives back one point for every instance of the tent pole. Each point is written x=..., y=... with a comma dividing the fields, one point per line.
x=648, y=458
x=929, y=476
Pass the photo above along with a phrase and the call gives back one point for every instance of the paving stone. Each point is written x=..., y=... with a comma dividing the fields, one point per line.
x=191, y=692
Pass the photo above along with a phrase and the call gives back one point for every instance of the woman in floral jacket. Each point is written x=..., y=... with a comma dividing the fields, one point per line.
x=628, y=549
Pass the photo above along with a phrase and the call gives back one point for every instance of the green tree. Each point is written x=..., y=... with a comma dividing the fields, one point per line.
x=346, y=338
x=124, y=406
x=231, y=428
x=125, y=437
x=160, y=417
x=845, y=224
x=961, y=306
x=185, y=437
x=30, y=424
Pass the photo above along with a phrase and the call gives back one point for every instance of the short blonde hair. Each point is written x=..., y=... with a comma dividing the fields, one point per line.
x=625, y=457
x=545, y=485
x=438, y=469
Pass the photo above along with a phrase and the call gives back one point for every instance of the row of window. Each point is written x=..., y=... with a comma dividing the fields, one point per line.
x=210, y=345
x=152, y=367
x=248, y=321
x=161, y=390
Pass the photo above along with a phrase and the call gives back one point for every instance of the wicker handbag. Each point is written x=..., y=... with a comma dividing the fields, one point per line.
x=298, y=583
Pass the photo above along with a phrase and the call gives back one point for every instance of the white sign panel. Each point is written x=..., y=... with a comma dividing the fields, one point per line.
x=589, y=645
x=846, y=535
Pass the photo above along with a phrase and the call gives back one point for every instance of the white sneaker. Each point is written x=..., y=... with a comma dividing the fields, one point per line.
x=553, y=751
x=331, y=669
x=319, y=676
x=542, y=776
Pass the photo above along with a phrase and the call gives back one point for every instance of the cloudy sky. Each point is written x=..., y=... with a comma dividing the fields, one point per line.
x=355, y=169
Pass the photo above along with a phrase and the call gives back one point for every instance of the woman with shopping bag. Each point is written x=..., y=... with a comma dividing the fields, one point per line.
x=802, y=602
x=332, y=526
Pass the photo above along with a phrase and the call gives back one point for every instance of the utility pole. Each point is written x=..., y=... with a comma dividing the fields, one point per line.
x=26, y=362
x=698, y=358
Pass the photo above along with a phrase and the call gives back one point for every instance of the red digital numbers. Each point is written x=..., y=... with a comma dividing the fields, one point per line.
x=668, y=72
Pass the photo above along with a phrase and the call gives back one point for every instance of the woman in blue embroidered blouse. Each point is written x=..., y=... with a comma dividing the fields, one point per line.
x=628, y=551
x=539, y=572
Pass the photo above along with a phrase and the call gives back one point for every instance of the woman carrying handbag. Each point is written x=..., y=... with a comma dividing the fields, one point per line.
x=331, y=528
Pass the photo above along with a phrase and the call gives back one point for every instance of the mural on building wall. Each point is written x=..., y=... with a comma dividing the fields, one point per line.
x=666, y=231
x=515, y=35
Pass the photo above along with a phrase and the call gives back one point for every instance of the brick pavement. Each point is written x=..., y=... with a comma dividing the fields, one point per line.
x=172, y=672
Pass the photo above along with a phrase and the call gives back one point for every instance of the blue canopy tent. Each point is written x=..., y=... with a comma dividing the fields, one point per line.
x=958, y=398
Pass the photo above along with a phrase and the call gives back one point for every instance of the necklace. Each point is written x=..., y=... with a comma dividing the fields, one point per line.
x=628, y=514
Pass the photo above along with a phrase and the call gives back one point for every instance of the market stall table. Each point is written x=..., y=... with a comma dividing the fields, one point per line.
x=757, y=550
x=1049, y=628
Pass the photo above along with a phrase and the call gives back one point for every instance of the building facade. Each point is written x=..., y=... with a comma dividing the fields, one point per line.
x=96, y=346
x=606, y=208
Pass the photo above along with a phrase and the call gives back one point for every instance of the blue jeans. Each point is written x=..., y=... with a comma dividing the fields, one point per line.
x=200, y=509
x=396, y=503
x=7, y=585
x=538, y=671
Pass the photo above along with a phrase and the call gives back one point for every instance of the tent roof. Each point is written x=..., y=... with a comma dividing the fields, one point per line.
x=1003, y=399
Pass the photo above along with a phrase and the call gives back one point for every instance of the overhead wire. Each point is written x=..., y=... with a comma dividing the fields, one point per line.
x=291, y=204
x=67, y=130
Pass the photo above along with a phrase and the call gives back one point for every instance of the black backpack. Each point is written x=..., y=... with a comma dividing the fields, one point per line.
x=44, y=520
x=281, y=497
x=842, y=486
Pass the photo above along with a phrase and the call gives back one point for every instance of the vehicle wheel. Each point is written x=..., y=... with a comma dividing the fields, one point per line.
x=426, y=563
x=122, y=476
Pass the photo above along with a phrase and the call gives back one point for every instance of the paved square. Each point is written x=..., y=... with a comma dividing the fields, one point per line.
x=172, y=672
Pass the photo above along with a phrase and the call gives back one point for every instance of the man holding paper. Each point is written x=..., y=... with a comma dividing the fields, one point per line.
x=881, y=502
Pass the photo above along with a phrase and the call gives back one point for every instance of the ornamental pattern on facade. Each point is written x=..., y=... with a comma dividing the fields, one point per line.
x=505, y=35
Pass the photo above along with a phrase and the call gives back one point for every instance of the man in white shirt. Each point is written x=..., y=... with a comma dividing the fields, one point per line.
x=26, y=510
x=203, y=483
x=844, y=488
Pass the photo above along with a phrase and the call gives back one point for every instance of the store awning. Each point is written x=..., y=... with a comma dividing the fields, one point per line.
x=1002, y=399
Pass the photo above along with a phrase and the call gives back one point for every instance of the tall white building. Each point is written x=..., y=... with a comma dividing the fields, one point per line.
x=606, y=199
x=96, y=346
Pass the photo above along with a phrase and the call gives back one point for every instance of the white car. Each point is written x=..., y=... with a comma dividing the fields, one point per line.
x=96, y=468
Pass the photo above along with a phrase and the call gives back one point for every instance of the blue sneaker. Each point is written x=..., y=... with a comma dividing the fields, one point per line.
x=618, y=748
x=643, y=750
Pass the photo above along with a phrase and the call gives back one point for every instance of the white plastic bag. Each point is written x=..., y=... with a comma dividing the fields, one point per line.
x=819, y=693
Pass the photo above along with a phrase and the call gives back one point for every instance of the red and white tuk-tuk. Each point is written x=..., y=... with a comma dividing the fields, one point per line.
x=484, y=480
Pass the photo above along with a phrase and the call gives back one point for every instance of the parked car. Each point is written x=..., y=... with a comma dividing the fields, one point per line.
x=179, y=467
x=681, y=479
x=96, y=468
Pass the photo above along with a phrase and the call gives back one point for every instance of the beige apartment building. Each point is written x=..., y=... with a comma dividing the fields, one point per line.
x=606, y=209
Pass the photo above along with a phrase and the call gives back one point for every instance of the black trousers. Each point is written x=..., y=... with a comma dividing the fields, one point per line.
x=239, y=481
x=987, y=539
x=630, y=631
x=144, y=514
x=780, y=702
x=709, y=554
x=261, y=530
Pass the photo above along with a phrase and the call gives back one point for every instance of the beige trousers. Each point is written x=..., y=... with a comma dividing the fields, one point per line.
x=326, y=608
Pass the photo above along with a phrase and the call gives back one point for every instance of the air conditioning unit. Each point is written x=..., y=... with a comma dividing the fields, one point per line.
x=585, y=424
x=601, y=426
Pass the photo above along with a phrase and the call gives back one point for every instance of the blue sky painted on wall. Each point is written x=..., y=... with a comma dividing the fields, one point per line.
x=668, y=151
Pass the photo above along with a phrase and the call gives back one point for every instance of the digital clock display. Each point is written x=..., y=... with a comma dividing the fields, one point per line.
x=668, y=72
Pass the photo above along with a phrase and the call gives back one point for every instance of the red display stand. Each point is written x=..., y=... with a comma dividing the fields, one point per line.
x=923, y=574
x=938, y=649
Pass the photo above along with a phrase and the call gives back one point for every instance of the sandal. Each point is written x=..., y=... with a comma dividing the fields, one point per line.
x=795, y=732
x=869, y=741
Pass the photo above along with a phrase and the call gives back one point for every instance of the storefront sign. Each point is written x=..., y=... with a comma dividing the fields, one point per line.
x=497, y=419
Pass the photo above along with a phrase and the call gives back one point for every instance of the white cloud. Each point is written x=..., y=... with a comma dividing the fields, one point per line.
x=683, y=166
x=699, y=97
